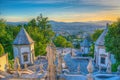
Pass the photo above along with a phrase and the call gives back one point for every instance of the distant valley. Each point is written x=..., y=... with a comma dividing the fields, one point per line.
x=73, y=27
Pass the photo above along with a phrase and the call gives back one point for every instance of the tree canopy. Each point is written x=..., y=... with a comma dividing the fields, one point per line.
x=60, y=41
x=41, y=32
x=38, y=28
x=96, y=34
x=112, y=39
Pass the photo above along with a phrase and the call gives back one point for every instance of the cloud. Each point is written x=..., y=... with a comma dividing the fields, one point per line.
x=63, y=10
x=34, y=1
x=105, y=3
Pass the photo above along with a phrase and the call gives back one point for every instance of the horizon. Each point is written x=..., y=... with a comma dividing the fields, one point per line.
x=60, y=11
x=64, y=22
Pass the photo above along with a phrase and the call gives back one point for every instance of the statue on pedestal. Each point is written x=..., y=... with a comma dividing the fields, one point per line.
x=118, y=69
x=78, y=69
x=41, y=68
x=109, y=67
x=99, y=69
x=17, y=64
x=25, y=66
x=17, y=67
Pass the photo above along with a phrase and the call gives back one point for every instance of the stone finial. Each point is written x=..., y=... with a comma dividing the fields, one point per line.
x=90, y=70
x=90, y=66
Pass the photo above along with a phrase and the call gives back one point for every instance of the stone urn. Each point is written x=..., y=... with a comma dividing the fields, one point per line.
x=90, y=67
x=90, y=70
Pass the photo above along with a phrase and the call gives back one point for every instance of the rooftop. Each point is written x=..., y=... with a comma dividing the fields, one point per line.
x=23, y=38
x=100, y=40
x=85, y=43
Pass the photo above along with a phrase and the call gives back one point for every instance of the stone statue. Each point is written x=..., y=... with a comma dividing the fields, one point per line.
x=78, y=69
x=73, y=54
x=90, y=66
x=41, y=68
x=6, y=67
x=64, y=64
x=17, y=64
x=118, y=69
x=90, y=70
x=9, y=66
x=59, y=68
x=99, y=69
x=25, y=66
x=108, y=67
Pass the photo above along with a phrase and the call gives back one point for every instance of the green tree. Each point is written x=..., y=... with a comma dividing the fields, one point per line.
x=45, y=27
x=60, y=41
x=1, y=50
x=112, y=39
x=39, y=29
x=96, y=34
x=41, y=32
x=5, y=36
x=32, y=23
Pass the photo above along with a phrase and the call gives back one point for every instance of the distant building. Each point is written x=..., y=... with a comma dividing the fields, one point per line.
x=3, y=62
x=101, y=56
x=23, y=47
x=85, y=46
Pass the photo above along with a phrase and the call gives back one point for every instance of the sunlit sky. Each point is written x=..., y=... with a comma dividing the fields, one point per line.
x=60, y=10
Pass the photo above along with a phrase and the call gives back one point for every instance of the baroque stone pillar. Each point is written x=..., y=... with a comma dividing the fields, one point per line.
x=51, y=57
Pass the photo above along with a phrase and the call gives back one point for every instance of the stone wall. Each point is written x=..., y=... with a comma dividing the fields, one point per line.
x=3, y=61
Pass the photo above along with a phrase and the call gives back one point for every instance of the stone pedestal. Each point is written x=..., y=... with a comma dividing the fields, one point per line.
x=90, y=76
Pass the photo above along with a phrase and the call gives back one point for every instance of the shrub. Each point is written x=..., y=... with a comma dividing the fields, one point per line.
x=1, y=50
x=115, y=66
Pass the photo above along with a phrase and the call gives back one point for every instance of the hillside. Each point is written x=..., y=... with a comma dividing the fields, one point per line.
x=73, y=27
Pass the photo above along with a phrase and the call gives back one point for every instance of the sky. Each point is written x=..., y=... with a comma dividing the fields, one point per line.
x=60, y=10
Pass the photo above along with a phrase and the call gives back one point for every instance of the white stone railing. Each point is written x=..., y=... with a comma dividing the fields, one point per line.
x=81, y=58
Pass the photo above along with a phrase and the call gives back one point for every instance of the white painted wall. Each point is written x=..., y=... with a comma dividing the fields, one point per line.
x=25, y=49
x=21, y=49
x=103, y=52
